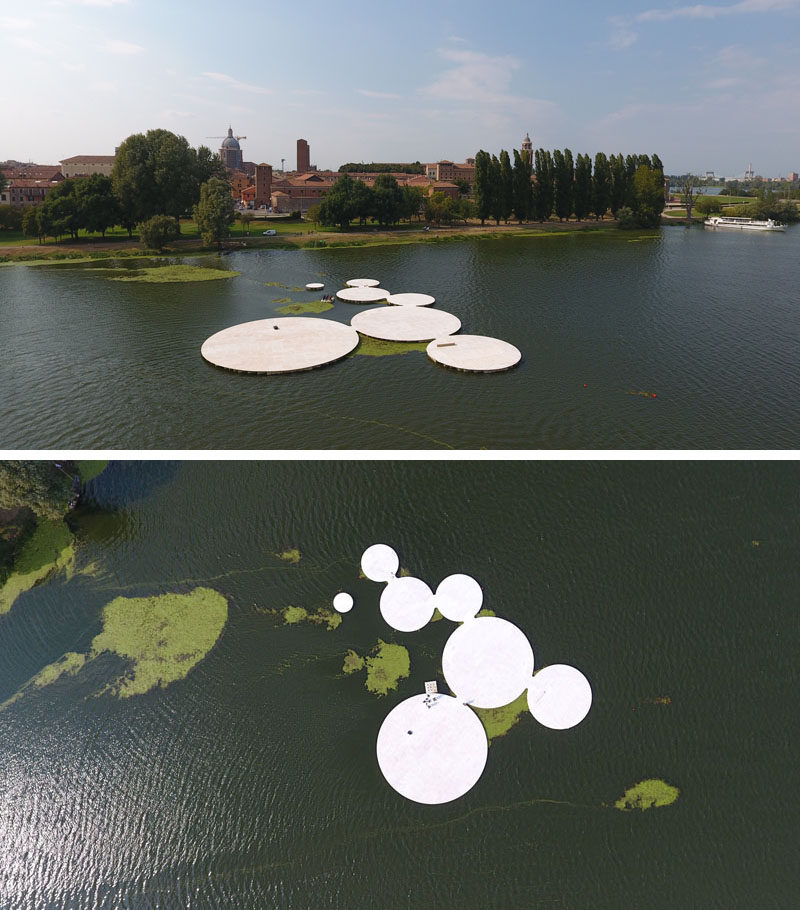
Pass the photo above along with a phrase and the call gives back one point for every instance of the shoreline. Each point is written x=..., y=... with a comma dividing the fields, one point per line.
x=92, y=251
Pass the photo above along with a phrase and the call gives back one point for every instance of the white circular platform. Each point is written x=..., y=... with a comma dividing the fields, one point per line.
x=362, y=295
x=432, y=754
x=559, y=696
x=362, y=283
x=487, y=662
x=474, y=353
x=314, y=286
x=458, y=597
x=280, y=345
x=411, y=299
x=343, y=602
x=407, y=604
x=405, y=323
x=380, y=562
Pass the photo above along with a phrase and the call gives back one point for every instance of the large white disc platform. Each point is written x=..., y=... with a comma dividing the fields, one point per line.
x=458, y=598
x=362, y=283
x=405, y=323
x=432, y=754
x=380, y=562
x=487, y=662
x=411, y=299
x=280, y=345
x=362, y=295
x=407, y=604
x=559, y=696
x=474, y=353
x=314, y=286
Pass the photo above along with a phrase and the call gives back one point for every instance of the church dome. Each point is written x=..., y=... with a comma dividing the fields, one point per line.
x=231, y=142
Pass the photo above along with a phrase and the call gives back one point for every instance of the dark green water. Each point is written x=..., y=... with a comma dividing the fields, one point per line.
x=253, y=782
x=708, y=322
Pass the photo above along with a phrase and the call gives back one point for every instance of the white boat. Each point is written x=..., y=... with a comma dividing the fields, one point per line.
x=742, y=224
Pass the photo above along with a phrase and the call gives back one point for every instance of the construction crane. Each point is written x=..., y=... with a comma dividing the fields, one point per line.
x=237, y=138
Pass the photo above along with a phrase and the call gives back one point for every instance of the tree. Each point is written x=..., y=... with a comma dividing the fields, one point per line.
x=543, y=191
x=464, y=186
x=523, y=191
x=411, y=202
x=36, y=485
x=648, y=187
x=387, y=200
x=601, y=185
x=564, y=177
x=506, y=193
x=483, y=185
x=496, y=183
x=30, y=223
x=62, y=208
x=687, y=188
x=706, y=205
x=312, y=214
x=158, y=173
x=158, y=231
x=214, y=212
x=244, y=219
x=619, y=184
x=583, y=187
x=440, y=208
x=10, y=218
x=98, y=205
x=338, y=206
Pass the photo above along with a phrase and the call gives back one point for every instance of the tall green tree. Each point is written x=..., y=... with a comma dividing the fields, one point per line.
x=214, y=212
x=483, y=185
x=158, y=231
x=583, y=187
x=99, y=209
x=411, y=202
x=523, y=191
x=601, y=185
x=619, y=183
x=543, y=191
x=496, y=184
x=563, y=169
x=506, y=186
x=648, y=187
x=387, y=199
x=338, y=206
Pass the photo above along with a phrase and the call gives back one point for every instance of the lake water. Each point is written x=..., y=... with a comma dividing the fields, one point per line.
x=680, y=339
x=253, y=782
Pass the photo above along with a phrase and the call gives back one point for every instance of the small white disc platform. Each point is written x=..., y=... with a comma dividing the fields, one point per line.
x=280, y=345
x=411, y=299
x=407, y=604
x=559, y=696
x=405, y=323
x=343, y=602
x=314, y=286
x=458, y=598
x=432, y=754
x=487, y=662
x=380, y=562
x=362, y=295
x=362, y=283
x=474, y=353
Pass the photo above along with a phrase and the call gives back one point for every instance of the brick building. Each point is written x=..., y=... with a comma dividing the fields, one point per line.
x=86, y=165
x=303, y=157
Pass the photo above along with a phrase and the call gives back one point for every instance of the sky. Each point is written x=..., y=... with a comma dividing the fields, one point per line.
x=708, y=87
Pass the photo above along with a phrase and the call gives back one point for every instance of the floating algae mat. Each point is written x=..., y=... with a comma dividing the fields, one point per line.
x=498, y=721
x=647, y=794
x=162, y=638
x=168, y=274
x=329, y=618
x=372, y=347
x=49, y=549
x=290, y=555
x=313, y=306
x=386, y=665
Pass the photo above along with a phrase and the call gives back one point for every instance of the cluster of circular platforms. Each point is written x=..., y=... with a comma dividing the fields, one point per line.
x=432, y=748
x=297, y=343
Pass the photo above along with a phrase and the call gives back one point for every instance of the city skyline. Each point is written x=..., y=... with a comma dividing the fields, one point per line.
x=709, y=87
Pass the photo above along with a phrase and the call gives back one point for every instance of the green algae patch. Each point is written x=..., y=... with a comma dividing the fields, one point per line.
x=313, y=306
x=436, y=615
x=353, y=662
x=647, y=794
x=171, y=274
x=487, y=612
x=161, y=638
x=88, y=470
x=291, y=556
x=322, y=617
x=374, y=347
x=386, y=666
x=498, y=721
x=48, y=550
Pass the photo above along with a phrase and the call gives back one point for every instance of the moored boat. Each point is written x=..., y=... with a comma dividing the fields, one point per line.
x=743, y=224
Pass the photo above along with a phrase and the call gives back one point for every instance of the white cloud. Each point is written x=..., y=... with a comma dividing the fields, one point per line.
x=236, y=84
x=370, y=94
x=475, y=77
x=623, y=36
x=123, y=48
x=12, y=24
x=105, y=88
x=35, y=47
x=737, y=57
x=710, y=11
x=724, y=83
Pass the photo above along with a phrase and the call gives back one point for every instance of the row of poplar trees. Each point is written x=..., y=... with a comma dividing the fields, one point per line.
x=567, y=187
